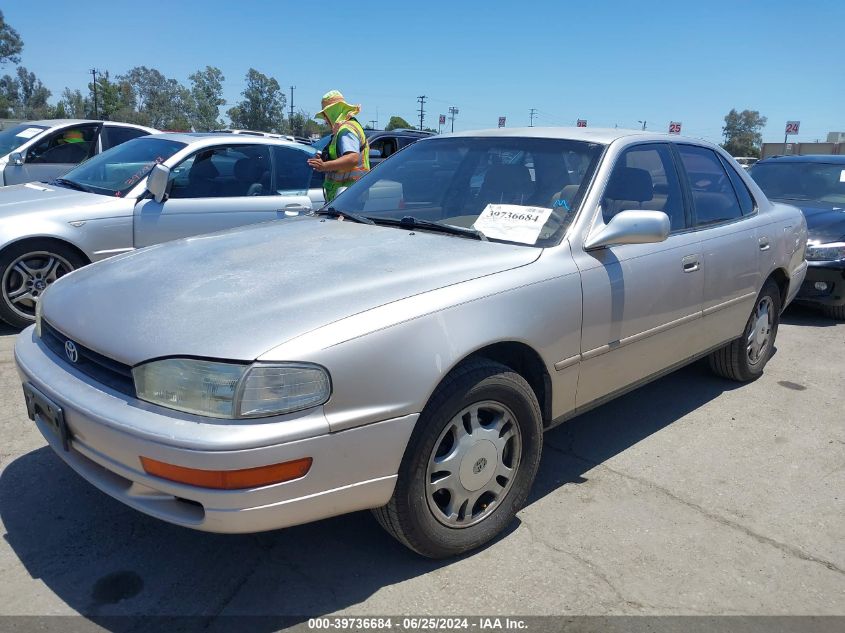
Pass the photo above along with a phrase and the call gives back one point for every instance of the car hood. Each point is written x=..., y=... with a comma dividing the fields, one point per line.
x=825, y=221
x=39, y=196
x=236, y=294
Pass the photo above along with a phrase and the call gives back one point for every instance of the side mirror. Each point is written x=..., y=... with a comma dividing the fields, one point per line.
x=375, y=153
x=157, y=182
x=631, y=227
x=16, y=158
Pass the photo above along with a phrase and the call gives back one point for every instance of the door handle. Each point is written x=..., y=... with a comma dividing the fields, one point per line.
x=292, y=210
x=764, y=243
x=691, y=263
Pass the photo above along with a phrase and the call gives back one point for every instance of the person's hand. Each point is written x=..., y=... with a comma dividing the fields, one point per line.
x=317, y=163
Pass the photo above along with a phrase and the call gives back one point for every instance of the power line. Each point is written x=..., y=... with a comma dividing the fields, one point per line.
x=422, y=99
x=452, y=112
x=531, y=113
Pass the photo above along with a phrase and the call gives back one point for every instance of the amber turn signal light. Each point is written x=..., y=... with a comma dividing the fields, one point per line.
x=229, y=479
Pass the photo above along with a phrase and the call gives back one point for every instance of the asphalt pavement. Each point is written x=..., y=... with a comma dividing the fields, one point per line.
x=692, y=495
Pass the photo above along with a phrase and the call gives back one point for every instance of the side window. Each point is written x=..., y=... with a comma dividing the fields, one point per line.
x=712, y=192
x=386, y=145
x=68, y=146
x=113, y=135
x=746, y=202
x=644, y=177
x=225, y=171
x=292, y=171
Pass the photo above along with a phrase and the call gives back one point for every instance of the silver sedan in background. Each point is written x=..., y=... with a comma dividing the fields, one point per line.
x=206, y=182
x=405, y=349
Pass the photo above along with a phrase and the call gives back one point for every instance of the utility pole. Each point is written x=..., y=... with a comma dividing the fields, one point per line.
x=531, y=113
x=643, y=122
x=94, y=75
x=452, y=112
x=292, y=88
x=422, y=99
x=374, y=123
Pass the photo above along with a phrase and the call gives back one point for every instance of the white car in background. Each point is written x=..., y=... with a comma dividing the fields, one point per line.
x=746, y=162
x=42, y=150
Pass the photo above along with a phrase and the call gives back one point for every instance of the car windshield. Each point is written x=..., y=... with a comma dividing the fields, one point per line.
x=520, y=190
x=117, y=170
x=14, y=137
x=824, y=182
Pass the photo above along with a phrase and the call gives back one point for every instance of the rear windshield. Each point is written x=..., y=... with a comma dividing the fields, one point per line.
x=801, y=181
x=14, y=137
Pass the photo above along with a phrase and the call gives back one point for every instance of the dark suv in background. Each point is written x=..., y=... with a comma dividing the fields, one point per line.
x=383, y=143
x=816, y=185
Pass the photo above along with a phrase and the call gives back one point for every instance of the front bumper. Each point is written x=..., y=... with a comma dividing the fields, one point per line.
x=352, y=470
x=830, y=273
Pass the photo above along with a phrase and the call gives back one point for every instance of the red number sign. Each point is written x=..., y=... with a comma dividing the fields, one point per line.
x=501, y=121
x=442, y=119
x=675, y=127
x=582, y=123
x=792, y=127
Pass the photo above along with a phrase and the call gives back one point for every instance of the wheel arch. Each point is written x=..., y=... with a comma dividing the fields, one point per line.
x=525, y=361
x=46, y=238
x=781, y=279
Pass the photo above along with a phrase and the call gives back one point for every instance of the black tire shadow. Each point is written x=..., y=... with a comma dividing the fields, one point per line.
x=118, y=567
x=6, y=329
x=801, y=314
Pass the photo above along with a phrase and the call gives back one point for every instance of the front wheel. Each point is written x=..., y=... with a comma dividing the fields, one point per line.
x=27, y=269
x=470, y=463
x=744, y=358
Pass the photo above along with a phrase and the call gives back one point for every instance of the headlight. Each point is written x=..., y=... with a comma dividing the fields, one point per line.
x=229, y=390
x=825, y=252
x=38, y=317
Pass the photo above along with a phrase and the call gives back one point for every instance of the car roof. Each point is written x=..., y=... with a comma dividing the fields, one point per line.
x=591, y=135
x=63, y=122
x=212, y=138
x=833, y=159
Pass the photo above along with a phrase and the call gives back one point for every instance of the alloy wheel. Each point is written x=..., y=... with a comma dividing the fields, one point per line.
x=28, y=276
x=759, y=338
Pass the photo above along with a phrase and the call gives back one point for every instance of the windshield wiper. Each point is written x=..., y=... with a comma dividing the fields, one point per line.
x=339, y=213
x=410, y=222
x=70, y=183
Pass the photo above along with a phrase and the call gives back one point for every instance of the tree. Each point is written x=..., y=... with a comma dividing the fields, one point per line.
x=11, y=43
x=743, y=132
x=24, y=96
x=263, y=104
x=74, y=105
x=397, y=122
x=155, y=100
x=207, y=97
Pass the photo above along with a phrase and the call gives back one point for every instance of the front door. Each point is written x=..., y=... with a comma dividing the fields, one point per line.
x=642, y=302
x=54, y=155
x=216, y=188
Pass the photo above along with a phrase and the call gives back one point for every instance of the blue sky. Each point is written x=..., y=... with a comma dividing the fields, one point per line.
x=612, y=63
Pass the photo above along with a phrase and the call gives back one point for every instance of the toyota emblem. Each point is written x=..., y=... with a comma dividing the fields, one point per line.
x=71, y=352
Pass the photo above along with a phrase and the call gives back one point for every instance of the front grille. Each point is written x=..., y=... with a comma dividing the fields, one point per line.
x=103, y=369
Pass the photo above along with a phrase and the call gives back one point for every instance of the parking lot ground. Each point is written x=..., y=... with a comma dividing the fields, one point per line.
x=691, y=495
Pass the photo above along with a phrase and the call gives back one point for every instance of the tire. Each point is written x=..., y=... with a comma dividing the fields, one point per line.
x=497, y=405
x=26, y=269
x=835, y=312
x=745, y=358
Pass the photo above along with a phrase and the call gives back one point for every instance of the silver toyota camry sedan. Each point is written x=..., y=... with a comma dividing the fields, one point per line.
x=404, y=349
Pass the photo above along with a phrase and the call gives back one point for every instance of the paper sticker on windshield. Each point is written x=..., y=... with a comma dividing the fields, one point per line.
x=29, y=132
x=842, y=176
x=512, y=222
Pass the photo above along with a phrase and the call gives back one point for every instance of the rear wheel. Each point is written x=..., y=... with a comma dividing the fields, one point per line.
x=469, y=464
x=744, y=358
x=26, y=269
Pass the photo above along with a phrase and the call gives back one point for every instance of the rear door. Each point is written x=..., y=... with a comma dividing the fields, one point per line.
x=726, y=220
x=216, y=188
x=114, y=135
x=55, y=154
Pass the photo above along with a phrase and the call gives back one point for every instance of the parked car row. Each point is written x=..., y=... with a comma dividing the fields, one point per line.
x=402, y=350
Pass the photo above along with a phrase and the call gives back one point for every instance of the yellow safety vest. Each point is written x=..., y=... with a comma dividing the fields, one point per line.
x=335, y=180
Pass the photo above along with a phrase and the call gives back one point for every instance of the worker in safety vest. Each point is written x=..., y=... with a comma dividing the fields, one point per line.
x=72, y=136
x=347, y=156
